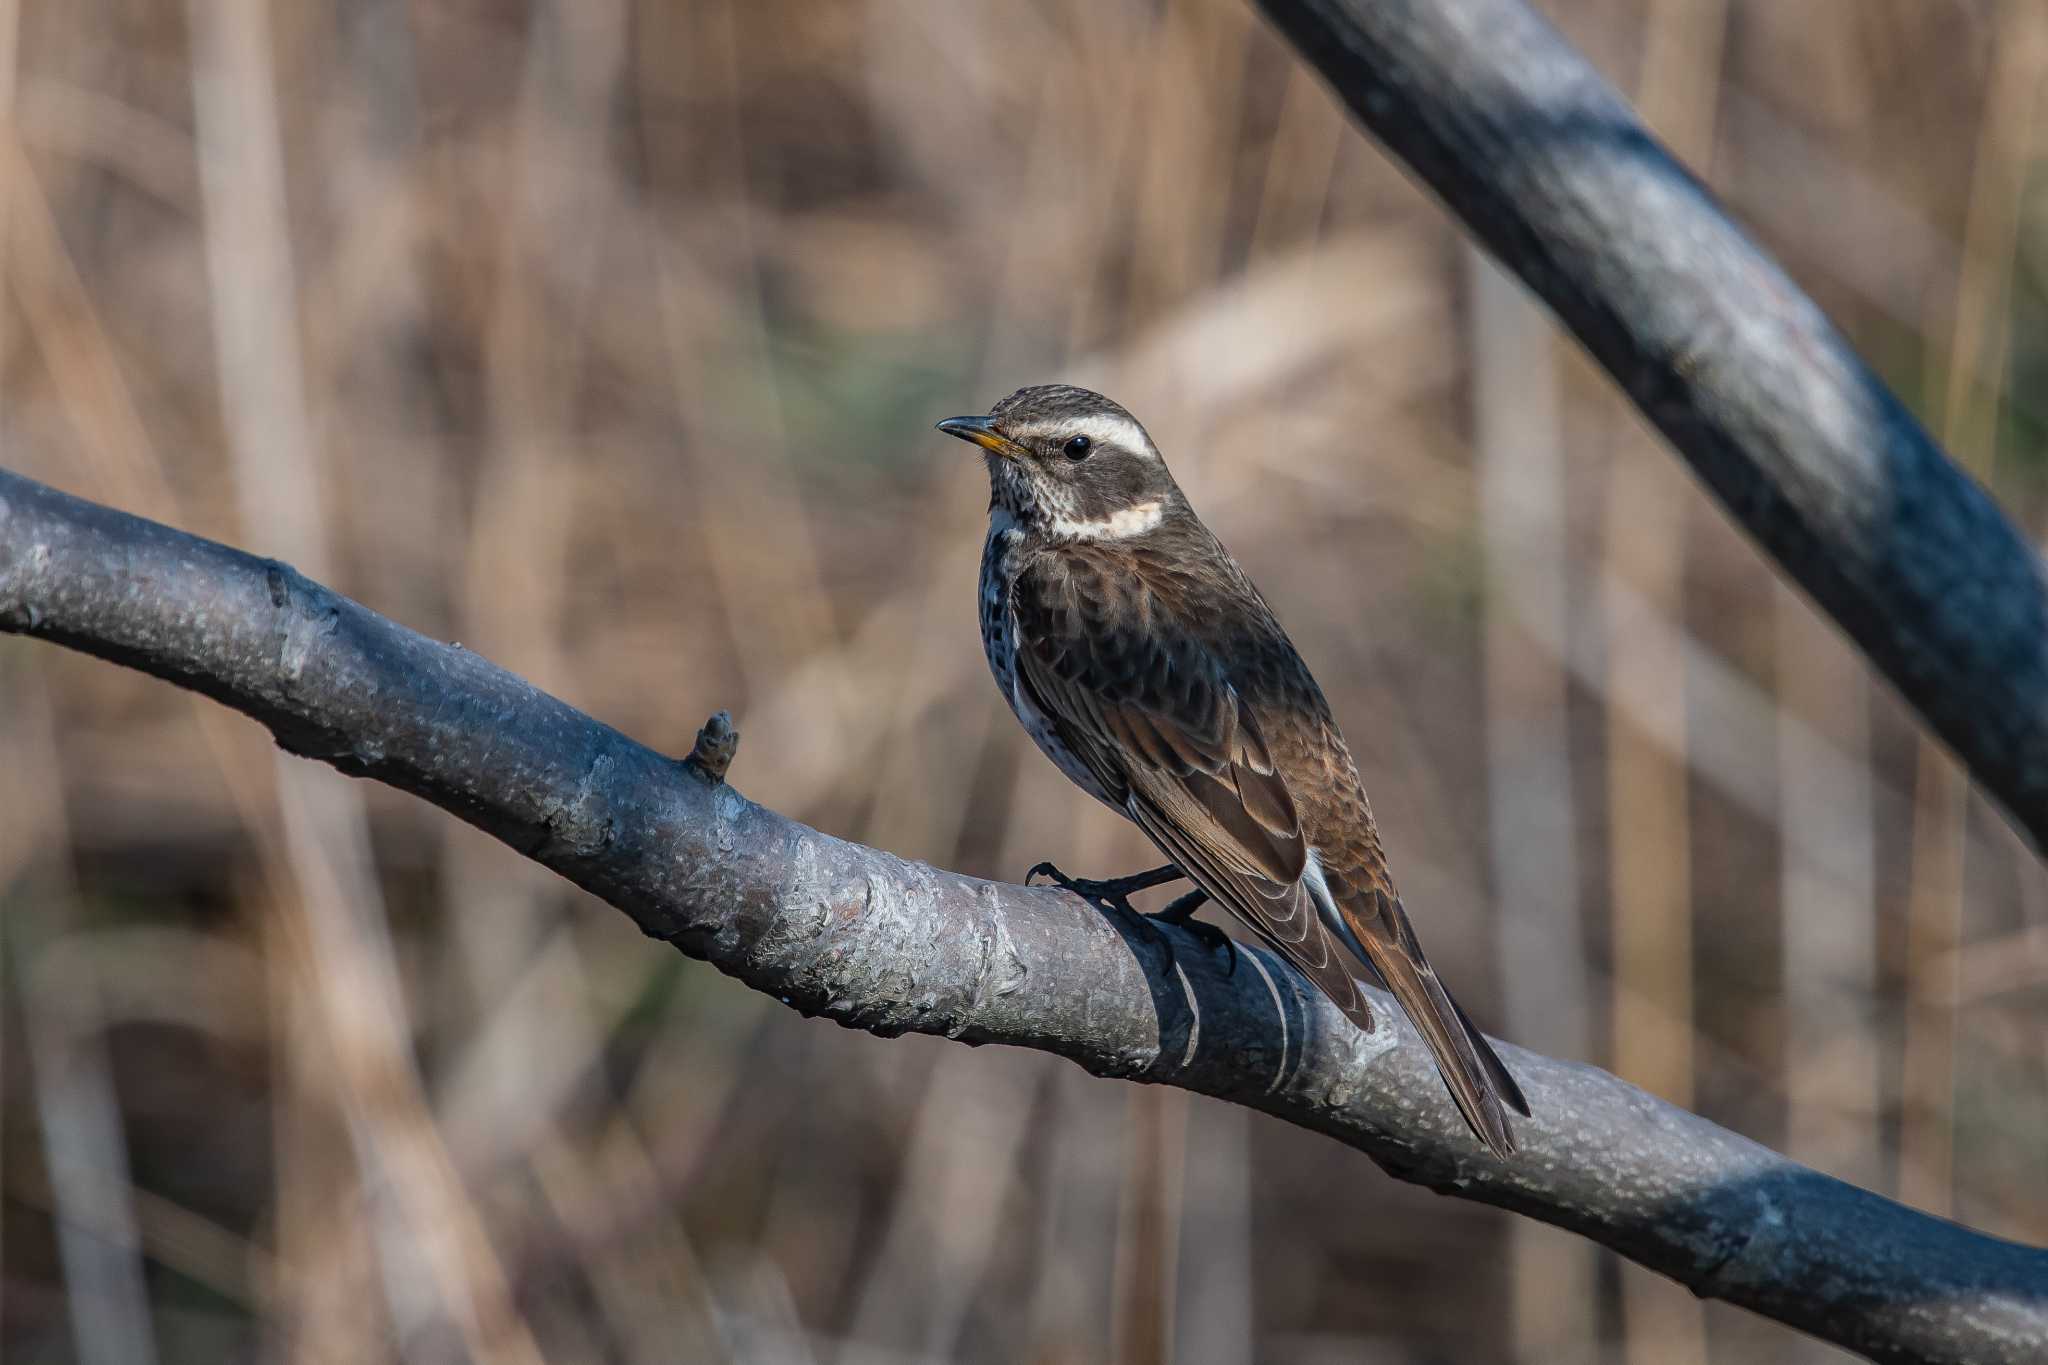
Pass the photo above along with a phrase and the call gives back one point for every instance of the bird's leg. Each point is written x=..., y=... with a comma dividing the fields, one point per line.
x=1116, y=892
x=1182, y=913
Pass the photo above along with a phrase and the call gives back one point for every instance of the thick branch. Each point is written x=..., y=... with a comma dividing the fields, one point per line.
x=876, y=943
x=1547, y=166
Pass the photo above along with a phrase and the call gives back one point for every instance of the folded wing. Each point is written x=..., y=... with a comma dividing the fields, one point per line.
x=1157, y=720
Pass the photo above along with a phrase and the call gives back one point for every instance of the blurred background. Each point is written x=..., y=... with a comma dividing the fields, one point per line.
x=606, y=338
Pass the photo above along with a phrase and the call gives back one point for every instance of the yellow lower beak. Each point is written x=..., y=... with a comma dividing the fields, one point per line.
x=980, y=432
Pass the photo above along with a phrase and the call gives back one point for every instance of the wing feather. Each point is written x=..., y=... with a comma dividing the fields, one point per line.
x=1150, y=711
x=1157, y=720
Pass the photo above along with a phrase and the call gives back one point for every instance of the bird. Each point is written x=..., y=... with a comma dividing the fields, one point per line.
x=1140, y=658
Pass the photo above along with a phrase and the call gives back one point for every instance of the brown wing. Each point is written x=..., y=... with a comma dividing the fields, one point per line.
x=1156, y=719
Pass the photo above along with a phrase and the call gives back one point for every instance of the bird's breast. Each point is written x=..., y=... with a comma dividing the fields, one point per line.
x=998, y=631
x=999, y=564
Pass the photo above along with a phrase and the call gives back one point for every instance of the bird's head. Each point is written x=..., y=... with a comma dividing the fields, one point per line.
x=1071, y=464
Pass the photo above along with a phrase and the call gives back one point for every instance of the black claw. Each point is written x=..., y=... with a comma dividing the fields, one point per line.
x=1182, y=912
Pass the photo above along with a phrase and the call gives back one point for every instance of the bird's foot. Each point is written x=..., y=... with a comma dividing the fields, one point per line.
x=1113, y=894
x=1182, y=915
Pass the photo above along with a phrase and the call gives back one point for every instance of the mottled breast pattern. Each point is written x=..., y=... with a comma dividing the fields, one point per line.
x=1000, y=555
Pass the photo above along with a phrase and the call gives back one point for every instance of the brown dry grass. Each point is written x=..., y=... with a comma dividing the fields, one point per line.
x=606, y=338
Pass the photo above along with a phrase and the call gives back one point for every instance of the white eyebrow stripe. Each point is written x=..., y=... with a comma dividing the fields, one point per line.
x=1110, y=429
x=1121, y=524
x=1103, y=428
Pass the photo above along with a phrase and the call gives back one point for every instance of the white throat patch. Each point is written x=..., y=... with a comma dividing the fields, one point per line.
x=1119, y=525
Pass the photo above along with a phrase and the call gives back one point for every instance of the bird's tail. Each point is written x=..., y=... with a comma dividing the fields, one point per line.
x=1473, y=1072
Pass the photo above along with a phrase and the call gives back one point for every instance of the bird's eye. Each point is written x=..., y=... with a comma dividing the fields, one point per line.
x=1078, y=448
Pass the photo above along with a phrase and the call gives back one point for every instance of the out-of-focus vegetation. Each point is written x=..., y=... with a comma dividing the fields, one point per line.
x=606, y=338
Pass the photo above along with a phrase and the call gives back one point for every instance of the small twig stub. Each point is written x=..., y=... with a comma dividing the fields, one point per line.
x=716, y=743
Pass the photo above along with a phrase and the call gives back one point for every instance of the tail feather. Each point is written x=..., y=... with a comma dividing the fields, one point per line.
x=1473, y=1072
x=1304, y=925
x=1473, y=1084
x=1503, y=1080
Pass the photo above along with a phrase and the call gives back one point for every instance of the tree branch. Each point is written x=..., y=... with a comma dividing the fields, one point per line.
x=1545, y=163
x=873, y=942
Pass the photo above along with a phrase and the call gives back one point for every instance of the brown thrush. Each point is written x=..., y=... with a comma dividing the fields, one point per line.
x=1148, y=668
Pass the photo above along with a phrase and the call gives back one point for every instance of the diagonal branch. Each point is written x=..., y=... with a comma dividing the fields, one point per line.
x=873, y=942
x=1544, y=162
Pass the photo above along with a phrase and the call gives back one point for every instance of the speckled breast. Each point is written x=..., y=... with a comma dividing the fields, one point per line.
x=999, y=643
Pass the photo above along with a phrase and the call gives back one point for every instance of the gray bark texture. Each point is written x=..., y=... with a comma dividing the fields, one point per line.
x=873, y=942
x=1549, y=168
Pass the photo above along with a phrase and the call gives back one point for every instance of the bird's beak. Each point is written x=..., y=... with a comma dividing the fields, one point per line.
x=983, y=434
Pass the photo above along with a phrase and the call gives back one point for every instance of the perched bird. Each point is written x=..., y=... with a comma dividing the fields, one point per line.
x=1148, y=668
